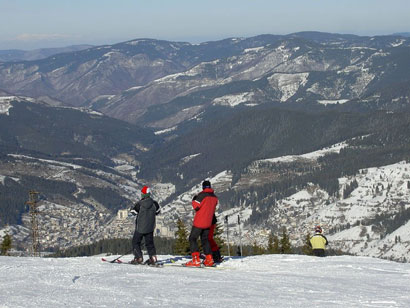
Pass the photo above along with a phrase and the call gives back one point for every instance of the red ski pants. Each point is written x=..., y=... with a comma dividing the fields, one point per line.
x=214, y=245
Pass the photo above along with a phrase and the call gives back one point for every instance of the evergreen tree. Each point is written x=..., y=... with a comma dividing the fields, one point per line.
x=5, y=245
x=256, y=249
x=276, y=245
x=273, y=244
x=307, y=248
x=285, y=247
x=269, y=249
x=181, y=246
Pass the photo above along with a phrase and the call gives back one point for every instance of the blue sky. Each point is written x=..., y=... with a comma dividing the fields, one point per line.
x=29, y=24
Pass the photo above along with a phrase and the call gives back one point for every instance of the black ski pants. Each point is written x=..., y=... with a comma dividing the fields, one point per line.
x=319, y=252
x=149, y=244
x=193, y=238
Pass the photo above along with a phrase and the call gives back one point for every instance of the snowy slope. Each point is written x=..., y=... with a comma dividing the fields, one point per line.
x=348, y=222
x=381, y=191
x=260, y=281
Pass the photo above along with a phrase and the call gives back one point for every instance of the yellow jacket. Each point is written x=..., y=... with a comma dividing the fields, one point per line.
x=318, y=241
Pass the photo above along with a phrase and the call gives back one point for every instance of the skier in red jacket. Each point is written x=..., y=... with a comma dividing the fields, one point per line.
x=204, y=205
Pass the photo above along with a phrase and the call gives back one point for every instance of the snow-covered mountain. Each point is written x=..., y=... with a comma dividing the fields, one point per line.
x=357, y=188
x=83, y=165
x=290, y=70
x=135, y=80
x=270, y=120
x=259, y=281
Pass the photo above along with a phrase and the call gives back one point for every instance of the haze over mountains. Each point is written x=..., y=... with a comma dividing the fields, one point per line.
x=246, y=112
x=16, y=55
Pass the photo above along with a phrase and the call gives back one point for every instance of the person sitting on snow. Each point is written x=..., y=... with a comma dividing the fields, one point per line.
x=318, y=242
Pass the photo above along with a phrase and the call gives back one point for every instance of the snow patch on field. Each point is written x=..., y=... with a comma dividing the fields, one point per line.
x=160, y=132
x=186, y=159
x=49, y=161
x=233, y=100
x=310, y=156
x=255, y=49
x=288, y=84
x=398, y=43
x=108, y=54
x=136, y=42
x=332, y=102
x=133, y=89
x=5, y=103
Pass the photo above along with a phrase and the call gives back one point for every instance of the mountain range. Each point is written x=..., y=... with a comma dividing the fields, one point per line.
x=129, y=80
x=88, y=127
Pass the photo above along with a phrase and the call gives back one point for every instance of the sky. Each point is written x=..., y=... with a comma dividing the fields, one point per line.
x=28, y=24
x=259, y=281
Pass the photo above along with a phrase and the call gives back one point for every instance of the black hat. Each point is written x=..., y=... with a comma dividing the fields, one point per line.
x=206, y=184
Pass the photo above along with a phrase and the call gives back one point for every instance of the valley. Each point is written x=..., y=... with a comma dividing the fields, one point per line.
x=292, y=130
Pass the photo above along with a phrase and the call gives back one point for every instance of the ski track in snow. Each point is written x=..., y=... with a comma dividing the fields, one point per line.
x=259, y=281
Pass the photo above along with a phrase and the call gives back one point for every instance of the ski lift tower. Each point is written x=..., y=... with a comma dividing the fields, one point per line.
x=33, y=211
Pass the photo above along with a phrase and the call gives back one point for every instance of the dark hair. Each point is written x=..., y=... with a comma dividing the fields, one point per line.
x=206, y=184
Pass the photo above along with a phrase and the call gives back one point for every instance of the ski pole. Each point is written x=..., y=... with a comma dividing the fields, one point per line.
x=227, y=235
x=113, y=261
x=240, y=235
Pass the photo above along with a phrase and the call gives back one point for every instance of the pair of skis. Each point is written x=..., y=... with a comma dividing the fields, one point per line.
x=119, y=261
x=170, y=262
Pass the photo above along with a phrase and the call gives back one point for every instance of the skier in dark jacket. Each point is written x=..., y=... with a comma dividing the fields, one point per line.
x=204, y=205
x=146, y=209
x=318, y=242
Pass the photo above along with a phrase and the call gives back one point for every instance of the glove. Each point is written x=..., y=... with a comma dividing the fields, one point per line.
x=132, y=213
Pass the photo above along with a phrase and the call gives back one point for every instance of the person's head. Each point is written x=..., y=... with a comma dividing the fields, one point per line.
x=318, y=229
x=145, y=192
x=206, y=184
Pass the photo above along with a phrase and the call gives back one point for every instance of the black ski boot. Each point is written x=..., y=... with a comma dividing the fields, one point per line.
x=153, y=261
x=216, y=255
x=137, y=261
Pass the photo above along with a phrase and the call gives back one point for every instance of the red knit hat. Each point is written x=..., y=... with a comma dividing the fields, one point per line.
x=145, y=190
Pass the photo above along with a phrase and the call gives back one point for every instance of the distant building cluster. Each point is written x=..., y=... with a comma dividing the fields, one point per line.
x=75, y=225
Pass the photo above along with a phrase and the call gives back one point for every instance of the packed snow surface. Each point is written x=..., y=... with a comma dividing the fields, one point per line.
x=258, y=281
